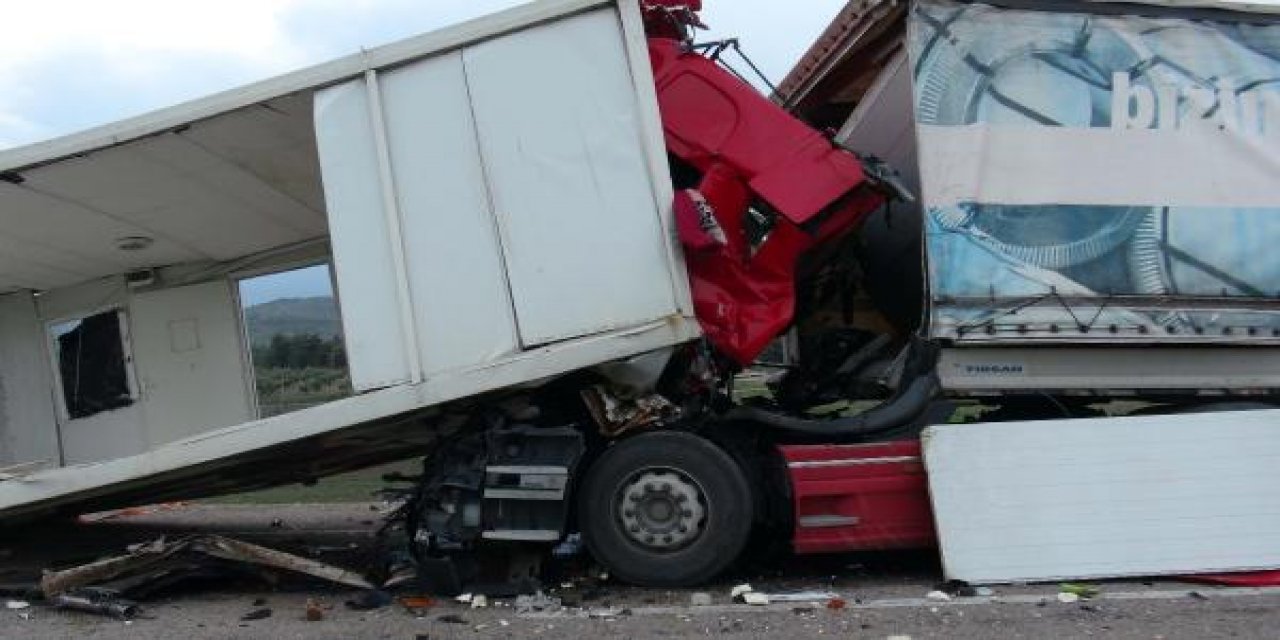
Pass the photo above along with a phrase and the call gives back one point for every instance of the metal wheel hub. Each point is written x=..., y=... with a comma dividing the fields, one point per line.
x=662, y=509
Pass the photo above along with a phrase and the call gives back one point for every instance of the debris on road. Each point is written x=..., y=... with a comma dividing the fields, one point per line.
x=938, y=596
x=537, y=603
x=259, y=614
x=369, y=600
x=95, y=600
x=451, y=619
x=314, y=612
x=804, y=596
x=164, y=563
x=957, y=589
x=417, y=605
x=1084, y=591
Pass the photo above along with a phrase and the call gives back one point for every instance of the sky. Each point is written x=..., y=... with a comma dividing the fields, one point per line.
x=67, y=65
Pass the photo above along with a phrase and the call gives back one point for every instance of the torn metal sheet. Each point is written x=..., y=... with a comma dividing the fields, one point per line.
x=617, y=415
x=107, y=602
x=162, y=558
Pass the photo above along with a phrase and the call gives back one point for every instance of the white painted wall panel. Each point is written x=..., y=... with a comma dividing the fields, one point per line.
x=1079, y=499
x=189, y=360
x=111, y=434
x=462, y=303
x=562, y=141
x=362, y=250
x=28, y=424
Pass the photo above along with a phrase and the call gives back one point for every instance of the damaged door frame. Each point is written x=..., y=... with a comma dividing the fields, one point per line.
x=62, y=413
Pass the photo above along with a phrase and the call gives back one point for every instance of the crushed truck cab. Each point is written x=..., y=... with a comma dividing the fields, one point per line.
x=565, y=239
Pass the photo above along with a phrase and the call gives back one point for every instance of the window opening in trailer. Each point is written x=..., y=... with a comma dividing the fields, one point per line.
x=294, y=331
x=92, y=360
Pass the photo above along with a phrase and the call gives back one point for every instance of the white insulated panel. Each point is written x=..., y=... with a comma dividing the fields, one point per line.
x=377, y=351
x=1110, y=497
x=189, y=359
x=111, y=434
x=28, y=424
x=563, y=145
x=462, y=304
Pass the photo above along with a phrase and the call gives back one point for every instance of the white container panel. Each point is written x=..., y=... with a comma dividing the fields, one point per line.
x=362, y=249
x=563, y=143
x=189, y=360
x=28, y=424
x=461, y=299
x=1109, y=497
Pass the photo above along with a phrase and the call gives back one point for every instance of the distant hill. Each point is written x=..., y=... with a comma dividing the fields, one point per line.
x=292, y=316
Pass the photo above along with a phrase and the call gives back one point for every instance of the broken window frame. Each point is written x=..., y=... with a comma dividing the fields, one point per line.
x=127, y=361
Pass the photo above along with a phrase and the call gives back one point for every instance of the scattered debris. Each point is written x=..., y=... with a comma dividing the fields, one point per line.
x=617, y=415
x=1085, y=591
x=17, y=604
x=314, y=611
x=369, y=600
x=610, y=612
x=537, y=603
x=1196, y=595
x=938, y=596
x=957, y=589
x=572, y=546
x=166, y=562
x=260, y=614
x=417, y=604
x=451, y=619
x=104, y=602
x=700, y=600
x=804, y=596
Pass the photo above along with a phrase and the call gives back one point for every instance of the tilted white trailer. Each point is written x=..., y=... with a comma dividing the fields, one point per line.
x=493, y=197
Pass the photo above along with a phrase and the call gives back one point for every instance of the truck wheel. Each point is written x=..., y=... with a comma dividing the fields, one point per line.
x=665, y=509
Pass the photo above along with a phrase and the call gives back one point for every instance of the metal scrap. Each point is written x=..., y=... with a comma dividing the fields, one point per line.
x=105, y=602
x=160, y=559
x=617, y=415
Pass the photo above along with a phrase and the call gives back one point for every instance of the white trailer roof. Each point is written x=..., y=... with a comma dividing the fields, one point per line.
x=217, y=178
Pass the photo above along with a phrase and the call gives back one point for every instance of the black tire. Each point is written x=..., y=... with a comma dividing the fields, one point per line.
x=725, y=494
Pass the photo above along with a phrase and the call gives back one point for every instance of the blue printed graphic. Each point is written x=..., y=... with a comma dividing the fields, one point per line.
x=1151, y=270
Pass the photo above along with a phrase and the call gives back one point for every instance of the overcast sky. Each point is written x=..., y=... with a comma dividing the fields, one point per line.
x=66, y=65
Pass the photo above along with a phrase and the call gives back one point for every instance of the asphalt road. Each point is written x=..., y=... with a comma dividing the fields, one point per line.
x=884, y=596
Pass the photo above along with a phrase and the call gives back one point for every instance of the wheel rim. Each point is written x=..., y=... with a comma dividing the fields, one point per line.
x=661, y=509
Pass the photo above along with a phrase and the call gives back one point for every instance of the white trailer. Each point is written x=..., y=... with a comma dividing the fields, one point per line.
x=493, y=198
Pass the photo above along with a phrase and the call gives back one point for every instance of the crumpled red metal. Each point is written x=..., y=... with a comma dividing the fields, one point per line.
x=750, y=152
